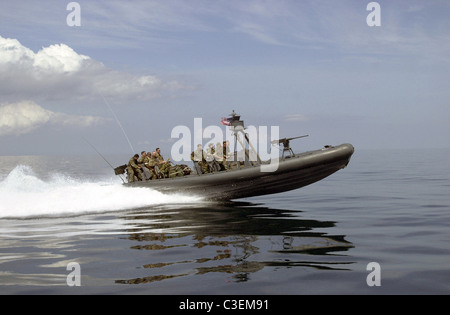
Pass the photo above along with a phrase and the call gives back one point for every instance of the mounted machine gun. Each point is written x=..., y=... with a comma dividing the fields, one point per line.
x=286, y=146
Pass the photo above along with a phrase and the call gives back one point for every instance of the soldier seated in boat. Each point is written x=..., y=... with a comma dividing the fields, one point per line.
x=198, y=157
x=164, y=165
x=152, y=164
x=142, y=157
x=143, y=162
x=134, y=170
x=148, y=166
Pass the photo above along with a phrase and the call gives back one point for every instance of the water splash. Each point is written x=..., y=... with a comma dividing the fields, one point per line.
x=24, y=194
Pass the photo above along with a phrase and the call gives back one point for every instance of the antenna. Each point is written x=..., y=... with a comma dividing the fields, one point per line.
x=102, y=157
x=118, y=122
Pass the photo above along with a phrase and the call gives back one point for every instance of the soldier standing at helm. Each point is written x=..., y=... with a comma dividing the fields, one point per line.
x=210, y=159
x=134, y=169
x=218, y=156
x=227, y=155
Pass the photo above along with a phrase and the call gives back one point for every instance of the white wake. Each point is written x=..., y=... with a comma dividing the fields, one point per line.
x=23, y=194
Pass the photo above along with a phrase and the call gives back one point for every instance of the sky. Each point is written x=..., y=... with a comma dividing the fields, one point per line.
x=134, y=70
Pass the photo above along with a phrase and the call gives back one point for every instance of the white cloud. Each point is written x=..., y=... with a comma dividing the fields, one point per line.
x=54, y=59
x=58, y=72
x=21, y=118
x=26, y=116
x=58, y=59
x=13, y=52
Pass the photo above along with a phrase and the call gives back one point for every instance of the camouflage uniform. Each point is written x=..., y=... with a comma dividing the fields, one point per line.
x=218, y=155
x=150, y=162
x=164, y=168
x=133, y=170
x=145, y=170
x=176, y=170
x=211, y=160
x=227, y=155
x=141, y=158
x=198, y=157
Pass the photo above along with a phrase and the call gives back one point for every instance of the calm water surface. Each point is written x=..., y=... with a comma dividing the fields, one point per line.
x=391, y=207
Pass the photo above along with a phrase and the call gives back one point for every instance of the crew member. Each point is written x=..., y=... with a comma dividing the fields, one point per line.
x=134, y=169
x=227, y=155
x=210, y=159
x=143, y=162
x=198, y=157
x=164, y=166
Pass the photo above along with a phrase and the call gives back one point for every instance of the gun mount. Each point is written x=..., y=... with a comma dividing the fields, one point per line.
x=286, y=146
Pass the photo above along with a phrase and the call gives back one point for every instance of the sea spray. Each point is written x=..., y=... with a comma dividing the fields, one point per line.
x=23, y=194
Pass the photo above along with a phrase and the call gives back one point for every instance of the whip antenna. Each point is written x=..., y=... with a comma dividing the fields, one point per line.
x=118, y=122
x=102, y=157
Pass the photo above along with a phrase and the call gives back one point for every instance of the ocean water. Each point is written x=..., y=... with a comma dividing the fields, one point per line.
x=391, y=207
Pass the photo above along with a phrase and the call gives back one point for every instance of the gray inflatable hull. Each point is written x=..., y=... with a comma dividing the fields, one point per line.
x=292, y=173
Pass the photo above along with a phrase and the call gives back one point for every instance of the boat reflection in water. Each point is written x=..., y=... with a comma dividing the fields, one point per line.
x=237, y=239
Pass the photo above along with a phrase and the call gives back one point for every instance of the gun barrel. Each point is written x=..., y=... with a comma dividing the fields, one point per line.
x=285, y=140
x=297, y=137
